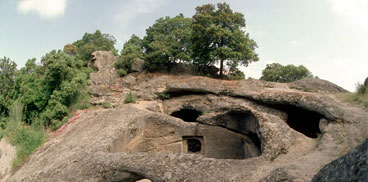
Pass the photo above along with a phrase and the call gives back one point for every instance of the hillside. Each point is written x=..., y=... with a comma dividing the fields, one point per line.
x=193, y=128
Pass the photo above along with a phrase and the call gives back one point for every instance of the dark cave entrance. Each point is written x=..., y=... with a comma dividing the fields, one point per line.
x=188, y=115
x=302, y=120
x=193, y=144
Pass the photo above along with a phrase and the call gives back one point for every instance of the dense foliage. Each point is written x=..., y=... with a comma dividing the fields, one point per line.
x=167, y=41
x=211, y=36
x=47, y=90
x=132, y=50
x=218, y=36
x=7, y=75
x=276, y=72
x=93, y=42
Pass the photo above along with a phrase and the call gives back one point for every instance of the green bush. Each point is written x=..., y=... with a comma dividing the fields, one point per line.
x=361, y=89
x=106, y=105
x=130, y=97
x=25, y=138
x=236, y=75
x=163, y=96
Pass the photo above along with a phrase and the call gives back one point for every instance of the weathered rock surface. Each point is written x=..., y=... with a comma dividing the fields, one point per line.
x=205, y=130
x=352, y=166
x=315, y=85
x=7, y=155
x=137, y=65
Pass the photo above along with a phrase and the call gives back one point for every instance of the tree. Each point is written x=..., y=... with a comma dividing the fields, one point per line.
x=94, y=42
x=132, y=50
x=47, y=90
x=167, y=41
x=70, y=49
x=218, y=36
x=276, y=72
x=7, y=75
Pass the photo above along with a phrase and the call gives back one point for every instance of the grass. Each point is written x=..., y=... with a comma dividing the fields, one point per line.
x=106, y=105
x=360, y=97
x=25, y=138
x=130, y=97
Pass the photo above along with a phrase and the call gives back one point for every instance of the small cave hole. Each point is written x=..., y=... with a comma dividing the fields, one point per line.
x=188, y=115
x=302, y=120
x=194, y=145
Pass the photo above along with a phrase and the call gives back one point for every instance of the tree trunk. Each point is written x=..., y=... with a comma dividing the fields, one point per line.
x=221, y=68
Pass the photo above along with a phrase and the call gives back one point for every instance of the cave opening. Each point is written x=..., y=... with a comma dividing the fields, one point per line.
x=194, y=145
x=302, y=120
x=188, y=115
x=245, y=123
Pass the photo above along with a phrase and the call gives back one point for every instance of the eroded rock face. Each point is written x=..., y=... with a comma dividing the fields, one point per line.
x=204, y=130
x=352, y=166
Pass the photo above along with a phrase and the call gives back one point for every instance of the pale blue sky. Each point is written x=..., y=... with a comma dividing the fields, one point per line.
x=329, y=37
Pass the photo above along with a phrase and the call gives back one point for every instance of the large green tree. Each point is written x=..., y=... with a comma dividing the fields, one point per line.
x=167, y=41
x=94, y=42
x=7, y=75
x=276, y=72
x=218, y=36
x=132, y=50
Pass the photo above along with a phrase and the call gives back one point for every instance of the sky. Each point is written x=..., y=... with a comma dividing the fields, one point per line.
x=329, y=37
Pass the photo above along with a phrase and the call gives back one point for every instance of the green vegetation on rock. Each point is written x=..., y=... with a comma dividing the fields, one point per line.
x=130, y=97
x=92, y=42
x=276, y=72
x=218, y=36
x=360, y=97
x=213, y=35
x=132, y=50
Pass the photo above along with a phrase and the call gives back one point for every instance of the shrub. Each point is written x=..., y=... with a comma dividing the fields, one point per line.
x=163, y=96
x=106, y=105
x=130, y=97
x=25, y=138
x=360, y=97
x=361, y=89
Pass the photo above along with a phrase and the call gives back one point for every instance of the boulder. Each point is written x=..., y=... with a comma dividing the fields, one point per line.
x=352, y=166
x=366, y=82
x=137, y=65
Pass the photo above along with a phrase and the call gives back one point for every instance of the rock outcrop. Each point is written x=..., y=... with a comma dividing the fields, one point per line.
x=7, y=155
x=352, y=166
x=192, y=128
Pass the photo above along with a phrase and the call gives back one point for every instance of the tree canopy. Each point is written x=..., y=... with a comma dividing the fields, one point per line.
x=94, y=42
x=132, y=50
x=8, y=69
x=276, y=72
x=167, y=41
x=218, y=36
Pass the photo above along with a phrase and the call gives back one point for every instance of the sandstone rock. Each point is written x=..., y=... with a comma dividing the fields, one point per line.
x=137, y=65
x=103, y=63
x=315, y=85
x=7, y=155
x=207, y=130
x=352, y=166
